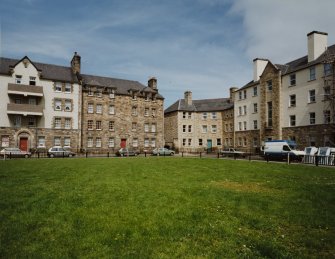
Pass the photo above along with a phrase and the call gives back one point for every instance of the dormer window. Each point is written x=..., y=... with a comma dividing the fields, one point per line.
x=99, y=92
x=147, y=97
x=18, y=79
x=89, y=91
x=32, y=80
x=111, y=93
x=67, y=88
x=133, y=96
x=58, y=87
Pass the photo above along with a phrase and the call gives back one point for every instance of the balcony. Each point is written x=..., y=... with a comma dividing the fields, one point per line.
x=24, y=109
x=25, y=90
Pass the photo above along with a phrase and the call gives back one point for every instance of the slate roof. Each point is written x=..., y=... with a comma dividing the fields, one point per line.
x=51, y=72
x=297, y=64
x=204, y=105
x=65, y=74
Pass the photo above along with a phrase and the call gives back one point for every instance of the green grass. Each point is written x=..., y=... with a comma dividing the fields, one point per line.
x=165, y=208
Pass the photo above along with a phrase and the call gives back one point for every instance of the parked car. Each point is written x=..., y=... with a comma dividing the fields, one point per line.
x=126, y=152
x=162, y=152
x=232, y=152
x=14, y=152
x=60, y=152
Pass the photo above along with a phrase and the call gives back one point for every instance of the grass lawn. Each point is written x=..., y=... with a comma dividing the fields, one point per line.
x=165, y=208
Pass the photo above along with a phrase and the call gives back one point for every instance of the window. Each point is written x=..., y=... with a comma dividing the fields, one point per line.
x=312, y=118
x=153, y=127
x=204, y=115
x=326, y=92
x=153, y=112
x=89, y=142
x=312, y=75
x=184, y=141
x=146, y=127
x=269, y=85
x=312, y=141
x=244, y=109
x=147, y=97
x=245, y=125
x=292, y=100
x=240, y=110
x=68, y=88
x=133, y=96
x=146, y=142
x=17, y=121
x=111, y=125
x=255, y=91
x=255, y=107
x=184, y=115
x=90, y=93
x=292, y=80
x=240, y=141
x=98, y=125
x=57, y=141
x=189, y=128
x=255, y=124
x=190, y=115
x=99, y=108
x=240, y=125
x=58, y=123
x=214, y=129
x=218, y=142
x=58, y=105
x=311, y=96
x=189, y=141
x=67, y=142
x=58, y=87
x=269, y=104
x=226, y=127
x=226, y=141
x=18, y=101
x=98, y=142
x=245, y=94
x=327, y=69
x=292, y=120
x=67, y=123
x=153, y=142
x=231, y=127
x=32, y=80
x=31, y=121
x=245, y=142
x=90, y=108
x=18, y=79
x=41, y=141
x=214, y=116
x=111, y=93
x=255, y=142
x=111, y=109
x=204, y=128
x=90, y=124
x=68, y=105
x=146, y=111
x=111, y=142
x=32, y=101
x=134, y=126
x=200, y=141
x=135, y=142
x=98, y=92
x=134, y=111
x=240, y=95
x=326, y=115
x=184, y=128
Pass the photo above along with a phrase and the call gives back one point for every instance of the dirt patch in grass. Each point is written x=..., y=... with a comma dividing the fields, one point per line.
x=253, y=187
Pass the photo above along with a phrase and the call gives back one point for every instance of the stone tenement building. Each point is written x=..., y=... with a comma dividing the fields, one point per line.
x=198, y=125
x=43, y=105
x=291, y=101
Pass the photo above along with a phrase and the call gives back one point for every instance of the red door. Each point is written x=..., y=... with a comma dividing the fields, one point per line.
x=123, y=143
x=24, y=144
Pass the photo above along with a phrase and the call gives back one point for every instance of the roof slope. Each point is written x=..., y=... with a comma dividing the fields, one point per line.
x=204, y=105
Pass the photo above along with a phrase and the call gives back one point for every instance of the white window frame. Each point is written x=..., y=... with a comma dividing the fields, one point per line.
x=98, y=142
x=67, y=142
x=68, y=88
x=58, y=87
x=90, y=142
x=204, y=129
x=111, y=142
x=41, y=141
x=90, y=108
x=98, y=108
x=292, y=100
x=135, y=142
x=58, y=105
x=58, y=123
x=18, y=79
x=293, y=120
x=312, y=119
x=67, y=123
x=57, y=141
x=311, y=98
x=312, y=73
x=293, y=79
x=68, y=105
x=214, y=129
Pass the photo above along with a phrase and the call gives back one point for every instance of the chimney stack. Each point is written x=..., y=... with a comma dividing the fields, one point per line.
x=316, y=44
x=188, y=98
x=232, y=93
x=259, y=66
x=152, y=83
x=75, y=63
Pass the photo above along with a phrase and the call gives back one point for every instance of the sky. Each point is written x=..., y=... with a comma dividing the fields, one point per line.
x=204, y=46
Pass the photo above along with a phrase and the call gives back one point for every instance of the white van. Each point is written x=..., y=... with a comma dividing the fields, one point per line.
x=326, y=156
x=281, y=149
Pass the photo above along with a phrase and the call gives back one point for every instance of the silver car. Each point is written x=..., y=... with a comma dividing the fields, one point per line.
x=14, y=152
x=60, y=152
x=162, y=152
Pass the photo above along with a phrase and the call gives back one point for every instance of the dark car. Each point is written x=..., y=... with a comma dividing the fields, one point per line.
x=60, y=152
x=126, y=152
x=14, y=152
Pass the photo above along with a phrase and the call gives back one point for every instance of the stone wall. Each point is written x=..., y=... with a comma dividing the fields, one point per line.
x=171, y=129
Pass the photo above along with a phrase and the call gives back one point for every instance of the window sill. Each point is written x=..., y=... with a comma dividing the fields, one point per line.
x=311, y=80
x=292, y=85
x=311, y=102
x=293, y=106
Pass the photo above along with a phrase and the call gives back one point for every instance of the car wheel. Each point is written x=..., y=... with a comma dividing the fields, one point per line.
x=26, y=156
x=172, y=153
x=70, y=155
x=52, y=155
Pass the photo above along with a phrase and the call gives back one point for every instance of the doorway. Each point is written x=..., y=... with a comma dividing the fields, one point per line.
x=123, y=143
x=23, y=144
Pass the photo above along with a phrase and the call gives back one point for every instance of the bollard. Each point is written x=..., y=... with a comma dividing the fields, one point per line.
x=235, y=156
x=107, y=154
x=200, y=154
x=218, y=155
x=145, y=154
x=10, y=155
x=317, y=160
x=249, y=156
x=182, y=154
x=38, y=154
x=267, y=158
x=288, y=158
x=86, y=154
